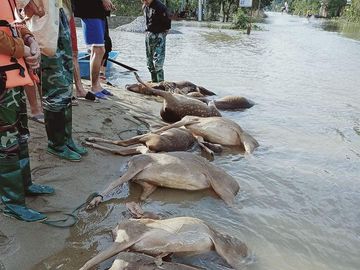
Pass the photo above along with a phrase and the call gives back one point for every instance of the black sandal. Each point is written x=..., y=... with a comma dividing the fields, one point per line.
x=90, y=96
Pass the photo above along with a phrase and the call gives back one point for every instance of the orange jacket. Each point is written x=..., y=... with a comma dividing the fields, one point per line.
x=12, y=47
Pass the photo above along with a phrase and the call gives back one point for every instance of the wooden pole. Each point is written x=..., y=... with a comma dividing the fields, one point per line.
x=249, y=26
x=200, y=11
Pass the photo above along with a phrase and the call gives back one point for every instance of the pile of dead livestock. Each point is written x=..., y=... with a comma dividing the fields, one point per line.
x=161, y=160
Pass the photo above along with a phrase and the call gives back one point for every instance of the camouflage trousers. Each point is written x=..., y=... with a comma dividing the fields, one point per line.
x=13, y=121
x=155, y=53
x=57, y=71
x=14, y=133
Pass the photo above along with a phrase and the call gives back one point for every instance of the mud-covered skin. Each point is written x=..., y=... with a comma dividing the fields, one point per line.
x=180, y=236
x=216, y=130
x=182, y=87
x=177, y=170
x=188, y=89
x=233, y=103
x=176, y=106
x=175, y=139
x=140, y=261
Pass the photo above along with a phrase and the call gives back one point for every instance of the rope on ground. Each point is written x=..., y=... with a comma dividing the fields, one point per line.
x=62, y=223
x=71, y=218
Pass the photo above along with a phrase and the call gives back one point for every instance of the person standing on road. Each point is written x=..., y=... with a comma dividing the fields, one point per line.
x=158, y=24
x=17, y=48
x=53, y=34
x=93, y=14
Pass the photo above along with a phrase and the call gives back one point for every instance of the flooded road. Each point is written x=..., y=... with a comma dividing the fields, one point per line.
x=299, y=204
x=300, y=191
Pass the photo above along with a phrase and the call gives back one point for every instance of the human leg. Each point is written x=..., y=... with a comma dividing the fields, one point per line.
x=155, y=53
x=95, y=65
x=68, y=134
x=94, y=33
x=24, y=135
x=80, y=91
x=57, y=79
x=55, y=128
x=108, y=49
x=149, y=45
x=35, y=107
x=159, y=56
x=12, y=189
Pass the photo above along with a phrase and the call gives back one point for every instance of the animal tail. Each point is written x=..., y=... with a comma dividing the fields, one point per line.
x=249, y=143
x=150, y=90
x=231, y=249
x=206, y=92
x=224, y=185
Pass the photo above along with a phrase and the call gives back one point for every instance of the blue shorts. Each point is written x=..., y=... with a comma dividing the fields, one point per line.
x=94, y=31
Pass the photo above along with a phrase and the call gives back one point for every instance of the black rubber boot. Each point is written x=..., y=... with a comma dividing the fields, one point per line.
x=55, y=129
x=30, y=187
x=13, y=193
x=154, y=77
x=68, y=134
x=160, y=75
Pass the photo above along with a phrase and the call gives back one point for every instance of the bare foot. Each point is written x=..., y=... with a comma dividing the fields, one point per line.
x=81, y=92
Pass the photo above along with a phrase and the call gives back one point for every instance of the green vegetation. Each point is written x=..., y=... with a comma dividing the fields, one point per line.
x=334, y=7
x=324, y=8
x=215, y=10
x=229, y=10
x=240, y=19
x=128, y=7
x=352, y=13
x=303, y=7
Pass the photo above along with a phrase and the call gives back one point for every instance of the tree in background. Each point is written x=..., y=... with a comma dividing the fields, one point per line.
x=228, y=7
x=127, y=7
x=334, y=7
x=304, y=7
x=133, y=7
x=223, y=10
x=325, y=8
x=352, y=12
x=213, y=10
x=241, y=20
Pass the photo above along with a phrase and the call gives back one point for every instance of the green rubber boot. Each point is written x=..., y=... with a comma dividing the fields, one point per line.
x=31, y=189
x=55, y=129
x=160, y=75
x=68, y=134
x=12, y=191
x=21, y=212
x=154, y=77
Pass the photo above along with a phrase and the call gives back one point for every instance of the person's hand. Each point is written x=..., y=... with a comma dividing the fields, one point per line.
x=27, y=51
x=32, y=56
x=31, y=61
x=108, y=5
x=94, y=203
